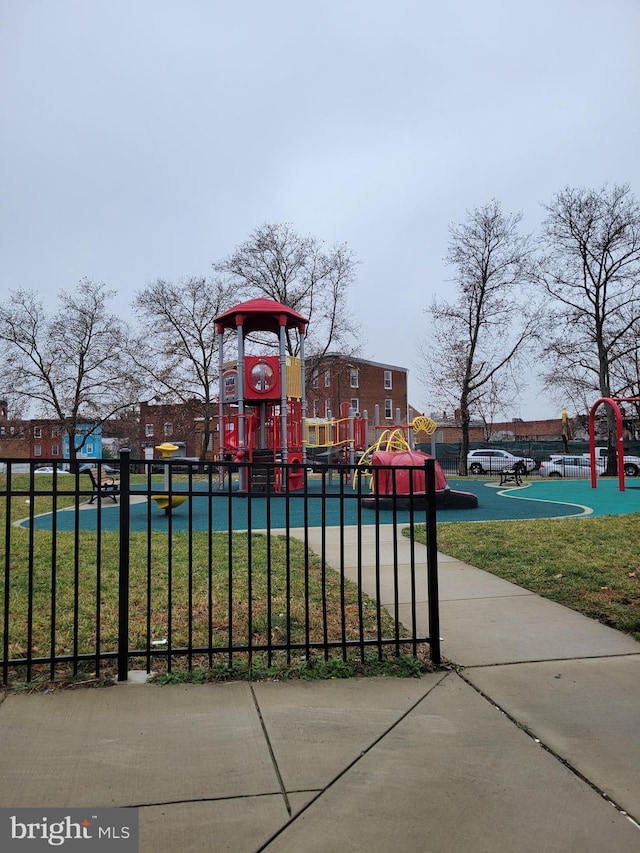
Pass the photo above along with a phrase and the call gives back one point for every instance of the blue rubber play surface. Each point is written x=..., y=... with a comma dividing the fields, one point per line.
x=535, y=499
x=548, y=499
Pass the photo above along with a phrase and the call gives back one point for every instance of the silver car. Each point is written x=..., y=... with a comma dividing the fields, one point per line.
x=568, y=466
x=490, y=461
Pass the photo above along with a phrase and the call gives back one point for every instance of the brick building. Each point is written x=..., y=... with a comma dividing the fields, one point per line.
x=46, y=439
x=43, y=438
x=122, y=432
x=344, y=382
x=449, y=430
x=172, y=422
x=15, y=436
x=29, y=439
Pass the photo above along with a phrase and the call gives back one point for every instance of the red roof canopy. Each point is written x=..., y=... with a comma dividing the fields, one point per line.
x=261, y=315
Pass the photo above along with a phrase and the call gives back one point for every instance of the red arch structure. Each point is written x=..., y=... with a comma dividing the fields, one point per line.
x=614, y=403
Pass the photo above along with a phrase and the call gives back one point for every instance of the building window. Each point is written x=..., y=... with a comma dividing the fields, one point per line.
x=353, y=377
x=388, y=409
x=55, y=449
x=316, y=409
x=37, y=432
x=55, y=432
x=37, y=450
x=355, y=404
x=148, y=430
x=388, y=381
x=168, y=429
x=88, y=449
x=327, y=408
x=314, y=379
x=327, y=379
x=2, y=430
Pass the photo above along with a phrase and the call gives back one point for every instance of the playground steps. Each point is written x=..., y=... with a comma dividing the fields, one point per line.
x=262, y=478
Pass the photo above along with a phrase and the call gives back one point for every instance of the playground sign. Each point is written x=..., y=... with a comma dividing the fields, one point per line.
x=230, y=385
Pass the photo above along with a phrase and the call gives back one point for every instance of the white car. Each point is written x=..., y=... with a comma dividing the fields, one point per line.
x=568, y=466
x=490, y=461
x=631, y=463
x=47, y=469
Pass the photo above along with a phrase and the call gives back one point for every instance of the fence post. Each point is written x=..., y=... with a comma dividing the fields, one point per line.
x=432, y=563
x=123, y=577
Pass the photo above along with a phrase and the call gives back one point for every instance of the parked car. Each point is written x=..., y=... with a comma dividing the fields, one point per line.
x=492, y=461
x=631, y=463
x=16, y=468
x=179, y=465
x=107, y=469
x=48, y=469
x=568, y=466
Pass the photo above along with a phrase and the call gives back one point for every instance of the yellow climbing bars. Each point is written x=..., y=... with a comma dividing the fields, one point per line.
x=327, y=433
x=395, y=440
x=423, y=424
x=389, y=439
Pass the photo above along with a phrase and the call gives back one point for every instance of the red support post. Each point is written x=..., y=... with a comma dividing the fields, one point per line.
x=619, y=441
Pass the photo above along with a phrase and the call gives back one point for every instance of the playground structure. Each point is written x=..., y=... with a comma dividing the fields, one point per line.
x=395, y=439
x=397, y=475
x=262, y=404
x=614, y=403
x=398, y=481
x=167, y=501
x=262, y=408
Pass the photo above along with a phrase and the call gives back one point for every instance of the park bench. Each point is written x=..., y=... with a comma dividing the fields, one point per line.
x=103, y=484
x=510, y=475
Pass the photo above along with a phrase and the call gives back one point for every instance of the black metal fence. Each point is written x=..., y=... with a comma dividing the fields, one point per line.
x=209, y=567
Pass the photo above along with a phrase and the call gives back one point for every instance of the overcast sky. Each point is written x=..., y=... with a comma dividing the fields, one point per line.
x=146, y=138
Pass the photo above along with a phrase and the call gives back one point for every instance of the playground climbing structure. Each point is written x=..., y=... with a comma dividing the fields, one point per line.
x=262, y=409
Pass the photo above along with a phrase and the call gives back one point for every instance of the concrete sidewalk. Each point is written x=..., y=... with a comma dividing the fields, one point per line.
x=532, y=744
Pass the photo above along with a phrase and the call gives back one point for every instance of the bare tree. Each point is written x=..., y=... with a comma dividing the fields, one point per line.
x=181, y=356
x=499, y=396
x=591, y=271
x=472, y=351
x=626, y=375
x=73, y=366
x=277, y=263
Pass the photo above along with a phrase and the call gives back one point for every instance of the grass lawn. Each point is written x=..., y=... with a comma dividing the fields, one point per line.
x=589, y=564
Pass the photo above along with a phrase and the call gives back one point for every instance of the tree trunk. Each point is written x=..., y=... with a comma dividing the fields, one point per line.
x=464, y=448
x=206, y=431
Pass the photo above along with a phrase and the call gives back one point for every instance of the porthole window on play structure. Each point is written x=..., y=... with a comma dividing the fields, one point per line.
x=262, y=377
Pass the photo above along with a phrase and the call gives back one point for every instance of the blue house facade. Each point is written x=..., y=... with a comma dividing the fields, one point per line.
x=88, y=442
